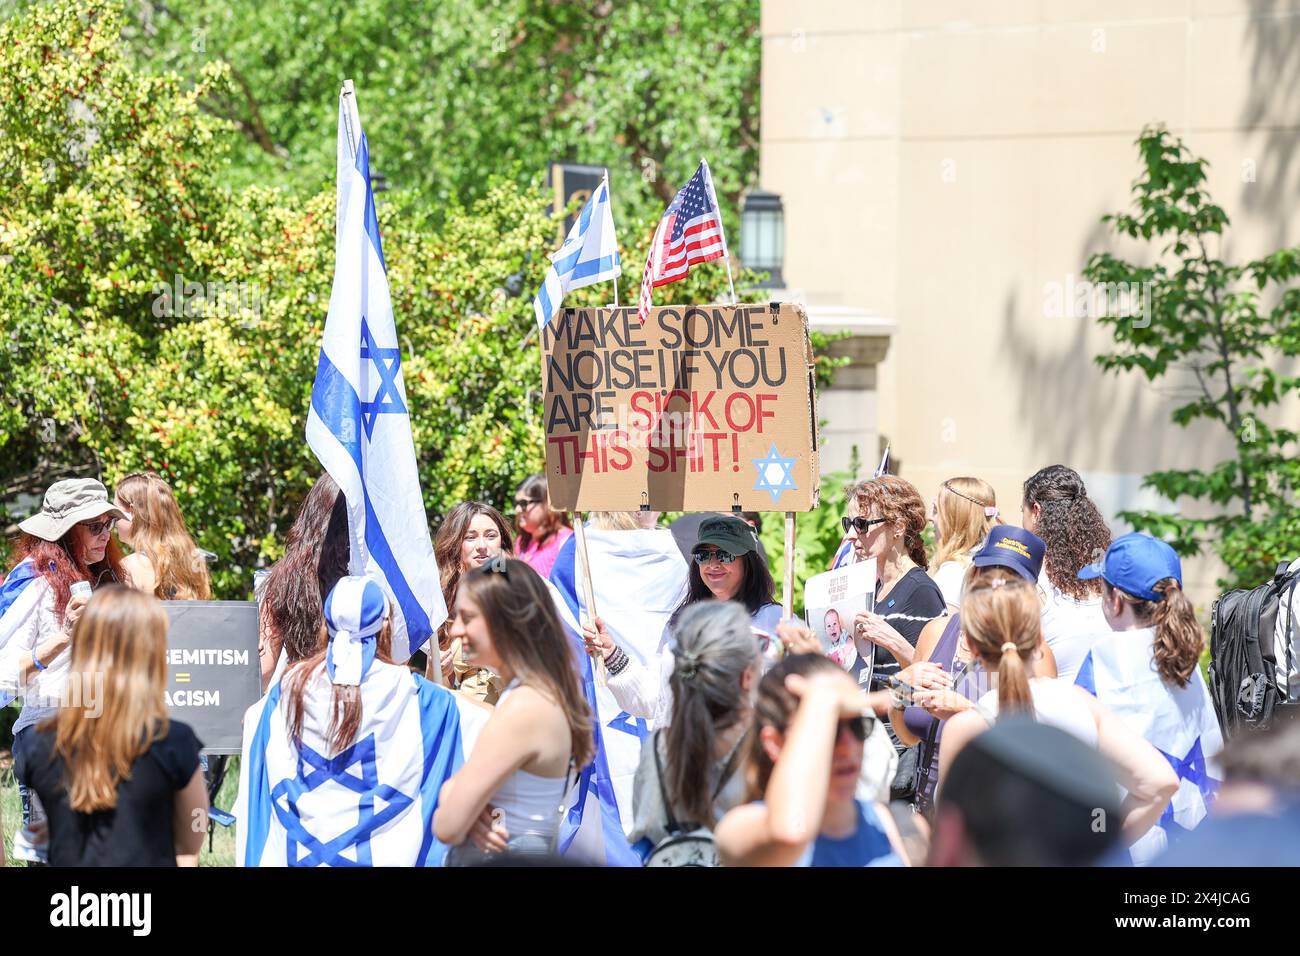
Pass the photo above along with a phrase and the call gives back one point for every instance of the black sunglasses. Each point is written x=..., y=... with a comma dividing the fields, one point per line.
x=860, y=525
x=859, y=727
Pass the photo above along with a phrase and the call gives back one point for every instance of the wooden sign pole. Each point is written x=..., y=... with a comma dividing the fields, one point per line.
x=787, y=589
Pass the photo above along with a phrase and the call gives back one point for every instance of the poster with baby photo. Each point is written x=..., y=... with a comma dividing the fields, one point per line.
x=831, y=602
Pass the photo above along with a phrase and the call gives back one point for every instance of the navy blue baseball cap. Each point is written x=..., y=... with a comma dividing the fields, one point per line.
x=1010, y=547
x=1135, y=563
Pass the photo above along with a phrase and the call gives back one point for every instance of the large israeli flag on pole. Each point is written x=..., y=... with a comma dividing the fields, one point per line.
x=359, y=424
x=639, y=578
x=1178, y=721
x=589, y=255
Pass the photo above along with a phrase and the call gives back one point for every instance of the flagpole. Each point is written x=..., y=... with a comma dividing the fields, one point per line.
x=787, y=584
x=350, y=91
x=588, y=592
x=611, y=213
x=729, y=282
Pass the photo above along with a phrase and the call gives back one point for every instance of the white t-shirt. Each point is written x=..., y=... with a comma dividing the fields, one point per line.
x=1056, y=702
x=1070, y=627
x=948, y=576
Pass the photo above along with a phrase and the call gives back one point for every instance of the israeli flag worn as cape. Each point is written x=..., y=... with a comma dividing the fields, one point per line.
x=1178, y=721
x=589, y=255
x=638, y=579
x=370, y=805
x=17, y=602
x=359, y=425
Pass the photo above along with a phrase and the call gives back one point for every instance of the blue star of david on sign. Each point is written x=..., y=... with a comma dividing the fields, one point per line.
x=774, y=474
x=636, y=726
x=315, y=771
x=1193, y=768
x=388, y=397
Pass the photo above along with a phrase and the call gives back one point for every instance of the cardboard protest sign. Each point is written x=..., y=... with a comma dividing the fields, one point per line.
x=705, y=408
x=832, y=600
x=214, y=674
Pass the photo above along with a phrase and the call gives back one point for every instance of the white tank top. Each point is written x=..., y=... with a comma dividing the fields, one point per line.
x=1070, y=628
x=531, y=803
x=1056, y=702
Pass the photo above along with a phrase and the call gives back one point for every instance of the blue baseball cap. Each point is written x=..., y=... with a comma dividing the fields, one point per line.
x=1010, y=547
x=1135, y=563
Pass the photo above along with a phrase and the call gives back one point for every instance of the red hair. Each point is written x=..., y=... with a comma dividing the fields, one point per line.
x=58, y=563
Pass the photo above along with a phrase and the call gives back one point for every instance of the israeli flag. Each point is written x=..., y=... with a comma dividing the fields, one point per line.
x=639, y=579
x=589, y=255
x=18, y=601
x=359, y=425
x=370, y=805
x=1179, y=722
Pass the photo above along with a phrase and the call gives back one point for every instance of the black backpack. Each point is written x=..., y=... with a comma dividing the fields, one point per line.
x=1244, y=680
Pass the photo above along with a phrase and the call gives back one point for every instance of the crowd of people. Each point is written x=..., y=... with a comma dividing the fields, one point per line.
x=1009, y=690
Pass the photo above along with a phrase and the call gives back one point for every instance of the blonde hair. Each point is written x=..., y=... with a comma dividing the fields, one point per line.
x=1000, y=616
x=962, y=511
x=616, y=520
x=118, y=674
x=158, y=532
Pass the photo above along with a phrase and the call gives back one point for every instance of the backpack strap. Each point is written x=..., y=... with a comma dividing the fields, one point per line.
x=1290, y=632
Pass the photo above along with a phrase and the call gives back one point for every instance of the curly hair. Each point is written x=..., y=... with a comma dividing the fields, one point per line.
x=901, y=504
x=1069, y=523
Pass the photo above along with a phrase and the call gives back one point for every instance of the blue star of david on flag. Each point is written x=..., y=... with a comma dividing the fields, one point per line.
x=774, y=474
x=1192, y=768
x=304, y=848
x=388, y=397
x=638, y=727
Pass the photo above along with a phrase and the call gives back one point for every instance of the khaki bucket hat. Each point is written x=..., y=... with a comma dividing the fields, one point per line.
x=66, y=503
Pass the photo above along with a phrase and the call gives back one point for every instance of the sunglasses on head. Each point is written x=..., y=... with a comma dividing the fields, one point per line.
x=722, y=557
x=96, y=528
x=860, y=525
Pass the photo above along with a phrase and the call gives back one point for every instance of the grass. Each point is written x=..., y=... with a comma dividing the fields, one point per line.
x=223, y=838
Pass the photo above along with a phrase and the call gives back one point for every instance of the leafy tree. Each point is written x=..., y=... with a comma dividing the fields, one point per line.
x=154, y=314
x=1231, y=326
x=453, y=93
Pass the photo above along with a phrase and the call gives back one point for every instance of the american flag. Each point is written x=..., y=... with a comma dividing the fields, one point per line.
x=689, y=233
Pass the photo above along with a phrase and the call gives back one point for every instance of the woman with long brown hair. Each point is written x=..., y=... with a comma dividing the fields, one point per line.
x=471, y=535
x=542, y=529
x=1146, y=672
x=385, y=740
x=316, y=553
x=507, y=797
x=1000, y=618
x=1057, y=508
x=119, y=780
x=164, y=560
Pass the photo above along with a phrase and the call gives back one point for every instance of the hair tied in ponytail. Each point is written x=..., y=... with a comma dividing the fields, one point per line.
x=1010, y=648
x=998, y=582
x=688, y=665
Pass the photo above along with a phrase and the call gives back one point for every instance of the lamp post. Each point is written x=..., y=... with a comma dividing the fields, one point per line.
x=762, y=237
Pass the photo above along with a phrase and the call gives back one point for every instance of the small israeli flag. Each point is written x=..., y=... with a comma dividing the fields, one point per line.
x=18, y=601
x=1178, y=721
x=589, y=255
x=359, y=424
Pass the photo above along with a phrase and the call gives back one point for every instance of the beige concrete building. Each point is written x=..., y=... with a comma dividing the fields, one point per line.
x=944, y=166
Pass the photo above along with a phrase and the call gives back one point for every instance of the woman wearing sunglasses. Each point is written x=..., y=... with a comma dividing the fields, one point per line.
x=67, y=545
x=542, y=530
x=726, y=565
x=804, y=761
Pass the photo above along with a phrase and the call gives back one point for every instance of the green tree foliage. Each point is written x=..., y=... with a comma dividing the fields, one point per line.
x=1231, y=326
x=155, y=313
x=455, y=92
